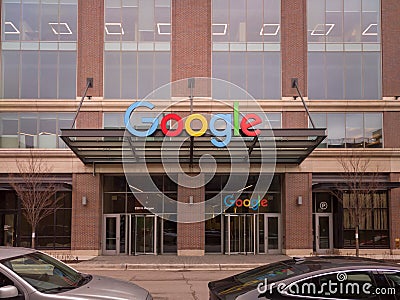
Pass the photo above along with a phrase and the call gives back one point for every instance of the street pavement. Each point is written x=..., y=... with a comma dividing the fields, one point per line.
x=174, y=277
x=168, y=285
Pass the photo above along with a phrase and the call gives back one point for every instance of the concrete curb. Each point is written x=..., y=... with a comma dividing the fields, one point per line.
x=167, y=267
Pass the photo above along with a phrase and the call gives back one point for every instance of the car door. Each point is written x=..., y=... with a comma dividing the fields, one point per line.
x=5, y=280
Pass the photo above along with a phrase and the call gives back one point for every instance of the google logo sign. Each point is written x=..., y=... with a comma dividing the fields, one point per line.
x=230, y=201
x=232, y=122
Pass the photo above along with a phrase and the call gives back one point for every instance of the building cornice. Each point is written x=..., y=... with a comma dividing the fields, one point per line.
x=200, y=104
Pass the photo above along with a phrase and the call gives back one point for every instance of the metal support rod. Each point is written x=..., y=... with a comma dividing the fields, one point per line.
x=295, y=85
x=89, y=84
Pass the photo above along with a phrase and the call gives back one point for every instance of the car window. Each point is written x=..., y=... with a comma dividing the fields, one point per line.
x=274, y=272
x=342, y=285
x=393, y=277
x=45, y=273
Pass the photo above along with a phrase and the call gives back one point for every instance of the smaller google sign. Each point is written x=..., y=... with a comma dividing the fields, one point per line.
x=230, y=201
x=233, y=124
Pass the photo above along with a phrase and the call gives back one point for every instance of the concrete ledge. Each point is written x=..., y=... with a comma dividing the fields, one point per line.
x=298, y=252
x=190, y=252
x=168, y=267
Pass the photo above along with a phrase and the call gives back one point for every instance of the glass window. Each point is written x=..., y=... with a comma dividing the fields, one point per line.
x=42, y=62
x=344, y=56
x=354, y=130
x=373, y=130
x=373, y=220
x=351, y=130
x=353, y=287
x=32, y=130
x=137, y=41
x=246, y=46
x=336, y=130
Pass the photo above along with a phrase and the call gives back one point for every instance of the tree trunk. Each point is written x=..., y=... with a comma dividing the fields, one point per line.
x=33, y=244
x=357, y=243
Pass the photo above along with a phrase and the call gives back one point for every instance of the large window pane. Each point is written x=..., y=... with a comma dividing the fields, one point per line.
x=10, y=74
x=272, y=75
x=128, y=76
x=30, y=26
x=334, y=71
x=372, y=75
x=48, y=74
x=373, y=130
x=67, y=75
x=145, y=69
x=137, y=47
x=112, y=78
x=316, y=76
x=29, y=74
x=353, y=75
x=336, y=130
x=354, y=131
x=351, y=29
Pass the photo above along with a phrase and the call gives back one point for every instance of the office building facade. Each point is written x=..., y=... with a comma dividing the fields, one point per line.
x=343, y=54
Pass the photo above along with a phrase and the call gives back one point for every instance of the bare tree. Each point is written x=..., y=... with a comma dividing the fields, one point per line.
x=36, y=190
x=356, y=190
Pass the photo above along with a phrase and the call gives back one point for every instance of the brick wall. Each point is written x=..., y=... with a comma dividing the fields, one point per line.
x=294, y=119
x=89, y=119
x=390, y=47
x=190, y=235
x=191, y=39
x=394, y=211
x=294, y=46
x=86, y=219
x=297, y=219
x=391, y=132
x=90, y=46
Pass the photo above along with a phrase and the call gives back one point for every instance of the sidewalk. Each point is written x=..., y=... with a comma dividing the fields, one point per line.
x=172, y=262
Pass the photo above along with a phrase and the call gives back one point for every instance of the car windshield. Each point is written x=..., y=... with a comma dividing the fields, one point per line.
x=274, y=272
x=45, y=273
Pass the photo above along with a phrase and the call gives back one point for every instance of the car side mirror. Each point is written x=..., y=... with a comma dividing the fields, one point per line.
x=8, y=291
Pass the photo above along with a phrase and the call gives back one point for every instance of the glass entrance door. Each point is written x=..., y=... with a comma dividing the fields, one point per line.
x=323, y=233
x=143, y=233
x=240, y=234
x=7, y=226
x=269, y=234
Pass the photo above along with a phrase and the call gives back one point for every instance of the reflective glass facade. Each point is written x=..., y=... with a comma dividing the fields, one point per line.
x=137, y=47
x=39, y=49
x=351, y=130
x=246, y=45
x=344, y=50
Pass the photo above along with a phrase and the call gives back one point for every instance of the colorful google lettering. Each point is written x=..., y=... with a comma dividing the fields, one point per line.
x=230, y=201
x=232, y=121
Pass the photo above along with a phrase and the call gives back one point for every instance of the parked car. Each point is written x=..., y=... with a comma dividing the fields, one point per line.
x=30, y=274
x=326, y=277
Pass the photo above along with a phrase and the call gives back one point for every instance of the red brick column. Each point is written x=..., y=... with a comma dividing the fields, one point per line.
x=89, y=119
x=297, y=219
x=294, y=119
x=90, y=46
x=294, y=45
x=391, y=132
x=390, y=48
x=86, y=219
x=190, y=235
x=191, y=39
x=394, y=212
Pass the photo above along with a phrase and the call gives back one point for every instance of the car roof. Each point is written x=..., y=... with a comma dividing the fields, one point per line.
x=8, y=252
x=343, y=261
